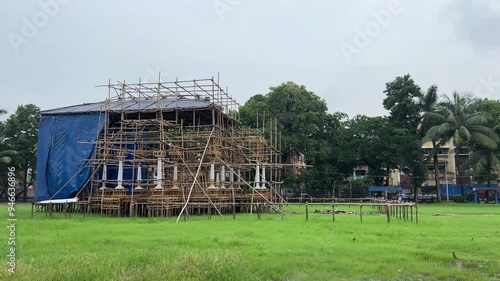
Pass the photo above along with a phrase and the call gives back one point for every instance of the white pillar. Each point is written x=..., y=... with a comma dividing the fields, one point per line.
x=257, y=177
x=104, y=176
x=139, y=177
x=231, y=179
x=263, y=177
x=238, y=180
x=120, y=175
x=222, y=176
x=176, y=177
x=159, y=174
x=212, y=177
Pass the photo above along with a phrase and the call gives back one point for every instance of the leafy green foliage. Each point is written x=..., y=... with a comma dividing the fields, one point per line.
x=305, y=125
x=402, y=97
x=462, y=121
x=406, y=104
x=20, y=134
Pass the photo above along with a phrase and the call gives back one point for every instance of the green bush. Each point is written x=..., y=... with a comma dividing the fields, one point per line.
x=469, y=196
x=460, y=199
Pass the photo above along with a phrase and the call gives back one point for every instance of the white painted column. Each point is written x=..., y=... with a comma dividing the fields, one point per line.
x=222, y=176
x=139, y=177
x=104, y=176
x=176, y=177
x=212, y=177
x=159, y=174
x=257, y=177
x=263, y=177
x=231, y=179
x=238, y=180
x=120, y=175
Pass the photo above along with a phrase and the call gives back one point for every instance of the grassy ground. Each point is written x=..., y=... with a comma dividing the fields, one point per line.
x=104, y=248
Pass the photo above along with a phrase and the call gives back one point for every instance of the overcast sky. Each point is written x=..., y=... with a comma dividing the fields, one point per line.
x=53, y=52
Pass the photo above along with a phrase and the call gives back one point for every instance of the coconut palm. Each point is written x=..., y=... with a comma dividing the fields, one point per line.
x=462, y=125
x=484, y=162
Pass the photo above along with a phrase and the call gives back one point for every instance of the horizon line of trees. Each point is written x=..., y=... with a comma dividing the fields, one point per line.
x=333, y=143
x=18, y=147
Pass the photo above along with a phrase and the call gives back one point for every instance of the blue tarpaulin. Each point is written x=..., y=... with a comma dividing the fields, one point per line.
x=454, y=189
x=64, y=145
x=384, y=188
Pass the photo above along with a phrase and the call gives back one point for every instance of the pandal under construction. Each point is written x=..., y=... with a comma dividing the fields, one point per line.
x=178, y=147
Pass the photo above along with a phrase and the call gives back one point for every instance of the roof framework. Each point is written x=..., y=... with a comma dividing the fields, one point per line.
x=193, y=90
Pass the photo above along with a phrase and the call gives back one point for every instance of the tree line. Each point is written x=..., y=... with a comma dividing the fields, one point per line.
x=18, y=147
x=334, y=143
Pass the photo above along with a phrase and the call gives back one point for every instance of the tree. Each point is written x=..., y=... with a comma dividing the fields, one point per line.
x=305, y=125
x=21, y=134
x=5, y=151
x=6, y=155
x=484, y=161
x=491, y=107
x=300, y=113
x=463, y=126
x=485, y=164
x=254, y=107
x=431, y=117
x=402, y=96
x=404, y=102
x=377, y=143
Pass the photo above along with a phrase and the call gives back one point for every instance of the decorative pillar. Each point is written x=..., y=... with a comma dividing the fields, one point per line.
x=159, y=174
x=120, y=175
x=176, y=177
x=139, y=177
x=104, y=176
x=238, y=180
x=231, y=179
x=212, y=177
x=263, y=177
x=257, y=177
x=222, y=176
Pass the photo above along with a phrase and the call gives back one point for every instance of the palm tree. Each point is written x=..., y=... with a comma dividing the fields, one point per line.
x=484, y=162
x=463, y=126
x=432, y=117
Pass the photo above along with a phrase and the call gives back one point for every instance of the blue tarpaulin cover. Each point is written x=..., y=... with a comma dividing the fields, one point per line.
x=454, y=189
x=64, y=145
x=384, y=188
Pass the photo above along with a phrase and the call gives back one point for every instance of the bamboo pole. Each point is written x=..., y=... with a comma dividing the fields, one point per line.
x=333, y=211
x=388, y=213
x=195, y=177
x=361, y=213
x=307, y=212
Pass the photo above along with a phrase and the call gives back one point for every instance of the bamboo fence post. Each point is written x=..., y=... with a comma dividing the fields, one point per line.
x=388, y=214
x=307, y=212
x=333, y=211
x=361, y=213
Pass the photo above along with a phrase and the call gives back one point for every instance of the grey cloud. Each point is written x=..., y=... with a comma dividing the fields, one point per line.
x=475, y=21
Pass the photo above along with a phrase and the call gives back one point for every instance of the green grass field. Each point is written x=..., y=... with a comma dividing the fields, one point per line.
x=105, y=248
